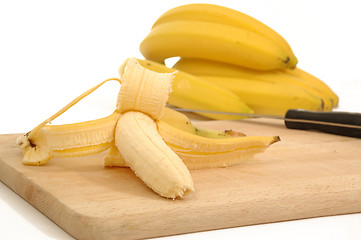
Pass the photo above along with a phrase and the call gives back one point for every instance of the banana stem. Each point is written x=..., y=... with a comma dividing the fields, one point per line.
x=69, y=105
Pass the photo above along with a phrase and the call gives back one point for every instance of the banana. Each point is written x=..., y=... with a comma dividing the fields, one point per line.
x=214, y=41
x=268, y=98
x=212, y=68
x=226, y=16
x=131, y=128
x=189, y=91
x=297, y=72
x=157, y=143
x=143, y=149
x=142, y=99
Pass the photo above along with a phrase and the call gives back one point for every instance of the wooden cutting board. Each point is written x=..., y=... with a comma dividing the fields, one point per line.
x=307, y=174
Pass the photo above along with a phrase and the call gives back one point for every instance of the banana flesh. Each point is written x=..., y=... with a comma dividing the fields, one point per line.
x=141, y=101
x=157, y=143
x=138, y=93
x=144, y=150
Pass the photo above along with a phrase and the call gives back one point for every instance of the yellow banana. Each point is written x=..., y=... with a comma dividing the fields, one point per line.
x=212, y=68
x=140, y=137
x=141, y=101
x=218, y=14
x=214, y=41
x=268, y=98
x=189, y=91
x=297, y=72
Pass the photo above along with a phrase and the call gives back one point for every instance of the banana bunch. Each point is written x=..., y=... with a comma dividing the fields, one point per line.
x=216, y=33
x=234, y=52
x=159, y=144
x=265, y=92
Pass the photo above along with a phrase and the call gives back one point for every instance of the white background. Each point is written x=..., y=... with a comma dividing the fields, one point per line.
x=51, y=51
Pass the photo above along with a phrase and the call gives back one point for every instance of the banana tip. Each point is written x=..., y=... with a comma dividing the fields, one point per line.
x=291, y=62
x=275, y=139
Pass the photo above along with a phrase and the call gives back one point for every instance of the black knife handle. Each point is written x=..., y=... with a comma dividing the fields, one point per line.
x=340, y=123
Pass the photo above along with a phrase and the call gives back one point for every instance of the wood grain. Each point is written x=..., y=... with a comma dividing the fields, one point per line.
x=307, y=174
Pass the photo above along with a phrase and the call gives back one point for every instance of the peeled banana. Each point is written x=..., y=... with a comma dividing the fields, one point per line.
x=157, y=143
x=144, y=150
x=142, y=99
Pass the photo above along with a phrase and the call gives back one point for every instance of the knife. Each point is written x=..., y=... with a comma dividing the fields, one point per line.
x=339, y=123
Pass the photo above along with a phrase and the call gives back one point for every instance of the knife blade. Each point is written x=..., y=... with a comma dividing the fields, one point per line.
x=337, y=122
